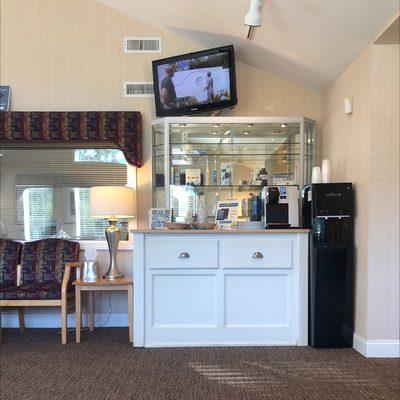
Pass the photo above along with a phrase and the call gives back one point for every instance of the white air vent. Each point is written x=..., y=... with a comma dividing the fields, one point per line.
x=138, y=89
x=142, y=45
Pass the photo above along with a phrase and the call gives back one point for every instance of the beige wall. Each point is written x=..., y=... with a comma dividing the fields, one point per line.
x=383, y=240
x=346, y=142
x=67, y=55
x=364, y=149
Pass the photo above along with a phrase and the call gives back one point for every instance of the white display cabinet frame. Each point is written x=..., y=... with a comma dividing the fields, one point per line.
x=167, y=121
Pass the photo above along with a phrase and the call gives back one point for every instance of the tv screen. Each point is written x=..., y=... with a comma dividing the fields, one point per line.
x=195, y=82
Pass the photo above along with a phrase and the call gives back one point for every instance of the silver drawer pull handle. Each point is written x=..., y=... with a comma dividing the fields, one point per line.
x=184, y=254
x=258, y=254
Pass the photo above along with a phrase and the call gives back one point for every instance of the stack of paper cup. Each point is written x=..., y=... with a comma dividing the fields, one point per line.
x=326, y=171
x=316, y=175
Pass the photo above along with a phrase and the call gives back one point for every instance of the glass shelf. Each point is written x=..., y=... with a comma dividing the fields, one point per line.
x=212, y=187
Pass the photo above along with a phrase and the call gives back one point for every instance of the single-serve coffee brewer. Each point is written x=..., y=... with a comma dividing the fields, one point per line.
x=280, y=206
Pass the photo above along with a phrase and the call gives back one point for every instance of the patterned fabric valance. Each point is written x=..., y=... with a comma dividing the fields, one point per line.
x=122, y=128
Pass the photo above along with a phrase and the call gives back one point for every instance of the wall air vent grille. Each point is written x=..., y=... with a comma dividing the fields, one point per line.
x=138, y=89
x=142, y=45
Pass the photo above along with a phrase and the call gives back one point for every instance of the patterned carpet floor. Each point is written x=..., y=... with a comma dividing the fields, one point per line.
x=34, y=365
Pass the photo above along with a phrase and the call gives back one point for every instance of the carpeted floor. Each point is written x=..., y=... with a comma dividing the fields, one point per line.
x=34, y=365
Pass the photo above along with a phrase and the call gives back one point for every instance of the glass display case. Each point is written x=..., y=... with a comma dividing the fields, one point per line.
x=198, y=161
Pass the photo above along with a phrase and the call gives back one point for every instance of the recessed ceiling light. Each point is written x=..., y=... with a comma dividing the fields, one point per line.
x=215, y=133
x=216, y=125
x=276, y=148
x=245, y=133
x=214, y=149
x=1, y=155
x=227, y=132
x=250, y=125
x=283, y=125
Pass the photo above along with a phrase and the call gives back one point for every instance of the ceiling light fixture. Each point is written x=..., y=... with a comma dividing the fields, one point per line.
x=283, y=125
x=253, y=17
x=227, y=132
x=216, y=125
x=214, y=132
x=245, y=133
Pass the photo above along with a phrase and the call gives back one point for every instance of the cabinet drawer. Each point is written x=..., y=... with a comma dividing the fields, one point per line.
x=266, y=253
x=181, y=253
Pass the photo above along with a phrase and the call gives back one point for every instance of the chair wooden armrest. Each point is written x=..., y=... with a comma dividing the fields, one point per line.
x=64, y=286
x=67, y=274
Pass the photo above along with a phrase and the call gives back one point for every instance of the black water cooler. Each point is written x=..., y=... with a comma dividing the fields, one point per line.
x=327, y=208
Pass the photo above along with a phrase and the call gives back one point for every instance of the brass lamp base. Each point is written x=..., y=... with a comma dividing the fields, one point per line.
x=113, y=235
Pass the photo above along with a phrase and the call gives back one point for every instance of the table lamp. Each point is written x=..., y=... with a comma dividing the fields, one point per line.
x=112, y=202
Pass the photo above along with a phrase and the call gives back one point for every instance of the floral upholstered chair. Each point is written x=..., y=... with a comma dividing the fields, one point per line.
x=10, y=252
x=45, y=277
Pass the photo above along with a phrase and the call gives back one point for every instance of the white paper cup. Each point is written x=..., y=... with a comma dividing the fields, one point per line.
x=326, y=171
x=316, y=175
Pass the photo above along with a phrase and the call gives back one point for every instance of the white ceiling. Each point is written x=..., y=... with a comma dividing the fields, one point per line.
x=309, y=42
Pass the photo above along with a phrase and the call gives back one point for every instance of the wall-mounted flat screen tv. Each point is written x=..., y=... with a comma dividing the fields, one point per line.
x=197, y=82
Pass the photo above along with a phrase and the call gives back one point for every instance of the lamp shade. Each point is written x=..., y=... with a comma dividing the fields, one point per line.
x=116, y=201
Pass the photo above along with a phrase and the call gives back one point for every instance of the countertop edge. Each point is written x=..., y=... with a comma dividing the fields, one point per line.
x=223, y=232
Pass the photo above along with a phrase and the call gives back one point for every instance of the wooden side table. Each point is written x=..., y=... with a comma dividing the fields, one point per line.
x=91, y=287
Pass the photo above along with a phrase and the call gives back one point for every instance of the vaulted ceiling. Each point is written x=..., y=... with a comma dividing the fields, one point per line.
x=309, y=42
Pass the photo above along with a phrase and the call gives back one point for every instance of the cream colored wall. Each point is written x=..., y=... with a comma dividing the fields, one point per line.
x=67, y=55
x=364, y=149
x=346, y=142
x=383, y=263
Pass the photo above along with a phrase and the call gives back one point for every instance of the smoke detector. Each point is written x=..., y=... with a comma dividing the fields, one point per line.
x=253, y=17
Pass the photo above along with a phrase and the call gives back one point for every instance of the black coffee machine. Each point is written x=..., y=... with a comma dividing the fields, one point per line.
x=327, y=208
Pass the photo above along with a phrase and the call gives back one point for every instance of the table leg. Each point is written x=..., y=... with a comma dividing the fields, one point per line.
x=91, y=311
x=130, y=310
x=78, y=313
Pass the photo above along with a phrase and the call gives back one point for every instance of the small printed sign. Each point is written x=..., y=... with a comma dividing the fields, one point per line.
x=5, y=93
x=227, y=214
x=158, y=217
x=193, y=177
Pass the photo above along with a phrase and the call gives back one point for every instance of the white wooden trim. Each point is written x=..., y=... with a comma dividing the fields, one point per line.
x=376, y=348
x=51, y=320
x=302, y=291
x=138, y=292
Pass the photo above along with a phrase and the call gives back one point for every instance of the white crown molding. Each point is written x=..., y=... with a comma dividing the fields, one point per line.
x=376, y=348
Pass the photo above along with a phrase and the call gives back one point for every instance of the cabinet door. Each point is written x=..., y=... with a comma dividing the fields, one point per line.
x=257, y=299
x=181, y=307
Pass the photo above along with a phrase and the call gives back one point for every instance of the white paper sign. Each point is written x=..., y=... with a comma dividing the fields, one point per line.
x=227, y=214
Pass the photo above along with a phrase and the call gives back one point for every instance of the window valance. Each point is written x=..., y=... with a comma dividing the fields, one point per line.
x=121, y=128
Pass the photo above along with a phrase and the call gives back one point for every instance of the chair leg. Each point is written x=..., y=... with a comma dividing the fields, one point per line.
x=64, y=316
x=21, y=319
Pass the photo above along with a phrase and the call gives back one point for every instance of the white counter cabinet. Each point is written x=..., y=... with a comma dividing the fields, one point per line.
x=209, y=288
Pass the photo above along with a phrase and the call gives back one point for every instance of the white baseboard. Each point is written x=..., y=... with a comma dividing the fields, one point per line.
x=376, y=348
x=10, y=320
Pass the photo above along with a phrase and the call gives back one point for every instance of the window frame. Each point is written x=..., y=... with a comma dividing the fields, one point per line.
x=131, y=171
